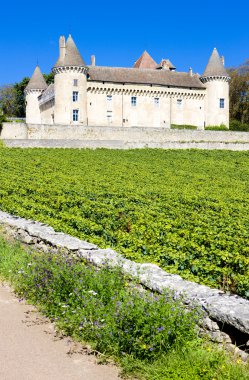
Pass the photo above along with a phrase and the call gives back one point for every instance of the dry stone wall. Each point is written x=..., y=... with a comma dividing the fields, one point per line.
x=226, y=316
x=71, y=136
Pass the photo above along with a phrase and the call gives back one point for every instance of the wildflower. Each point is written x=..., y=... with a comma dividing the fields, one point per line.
x=92, y=292
x=159, y=329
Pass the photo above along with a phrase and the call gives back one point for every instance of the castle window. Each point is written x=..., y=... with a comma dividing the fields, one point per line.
x=179, y=103
x=222, y=103
x=109, y=117
x=133, y=101
x=156, y=102
x=75, y=82
x=75, y=115
x=109, y=98
x=75, y=96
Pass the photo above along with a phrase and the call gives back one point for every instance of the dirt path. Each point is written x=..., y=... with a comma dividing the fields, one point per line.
x=30, y=350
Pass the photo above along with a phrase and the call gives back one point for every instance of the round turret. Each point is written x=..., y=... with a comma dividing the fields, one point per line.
x=70, y=85
x=216, y=80
x=34, y=89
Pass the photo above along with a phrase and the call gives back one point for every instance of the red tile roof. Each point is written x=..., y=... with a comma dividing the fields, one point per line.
x=145, y=62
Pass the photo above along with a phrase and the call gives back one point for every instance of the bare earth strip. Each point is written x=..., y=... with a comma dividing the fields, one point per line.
x=29, y=348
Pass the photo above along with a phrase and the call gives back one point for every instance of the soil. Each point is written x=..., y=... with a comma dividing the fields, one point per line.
x=31, y=349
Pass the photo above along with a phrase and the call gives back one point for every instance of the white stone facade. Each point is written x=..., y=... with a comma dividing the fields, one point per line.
x=96, y=96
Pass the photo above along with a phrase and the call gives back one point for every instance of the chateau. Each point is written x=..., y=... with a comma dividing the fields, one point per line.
x=147, y=95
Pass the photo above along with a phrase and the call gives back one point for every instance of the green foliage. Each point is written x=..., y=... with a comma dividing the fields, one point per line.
x=236, y=125
x=152, y=336
x=186, y=211
x=49, y=78
x=183, y=126
x=7, y=100
x=100, y=306
x=12, y=98
x=2, y=120
x=192, y=363
x=239, y=95
x=221, y=127
x=20, y=106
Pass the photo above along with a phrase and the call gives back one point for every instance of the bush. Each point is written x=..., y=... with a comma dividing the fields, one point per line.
x=2, y=120
x=221, y=127
x=183, y=126
x=236, y=125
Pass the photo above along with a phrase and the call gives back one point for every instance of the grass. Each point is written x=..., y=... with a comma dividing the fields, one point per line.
x=216, y=128
x=151, y=336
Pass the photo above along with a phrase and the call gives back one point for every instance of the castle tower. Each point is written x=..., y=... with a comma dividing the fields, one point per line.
x=216, y=81
x=34, y=89
x=70, y=85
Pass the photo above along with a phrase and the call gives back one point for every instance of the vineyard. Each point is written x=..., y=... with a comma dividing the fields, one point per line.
x=187, y=211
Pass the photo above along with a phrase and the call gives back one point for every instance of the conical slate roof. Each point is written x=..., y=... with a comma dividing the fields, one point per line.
x=37, y=81
x=145, y=62
x=215, y=66
x=72, y=55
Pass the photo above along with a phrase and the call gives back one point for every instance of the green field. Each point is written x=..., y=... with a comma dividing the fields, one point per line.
x=187, y=211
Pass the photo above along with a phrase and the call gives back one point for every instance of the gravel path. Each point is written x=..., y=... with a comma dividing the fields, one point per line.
x=30, y=349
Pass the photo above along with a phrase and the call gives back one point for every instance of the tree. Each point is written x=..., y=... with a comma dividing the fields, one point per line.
x=12, y=97
x=20, y=97
x=239, y=93
x=7, y=100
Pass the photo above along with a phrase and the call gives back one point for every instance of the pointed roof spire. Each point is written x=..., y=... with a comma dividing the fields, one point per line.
x=145, y=62
x=37, y=81
x=215, y=66
x=71, y=55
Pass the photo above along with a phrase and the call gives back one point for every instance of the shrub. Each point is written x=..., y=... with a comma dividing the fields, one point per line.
x=236, y=125
x=183, y=126
x=221, y=127
x=2, y=120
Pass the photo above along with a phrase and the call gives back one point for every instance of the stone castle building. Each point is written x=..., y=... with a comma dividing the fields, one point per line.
x=146, y=95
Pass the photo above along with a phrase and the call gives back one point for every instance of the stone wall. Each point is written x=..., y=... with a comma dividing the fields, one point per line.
x=14, y=131
x=226, y=317
x=147, y=135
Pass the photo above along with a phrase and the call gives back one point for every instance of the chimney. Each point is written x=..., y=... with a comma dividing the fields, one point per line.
x=222, y=60
x=190, y=71
x=93, y=60
x=62, y=47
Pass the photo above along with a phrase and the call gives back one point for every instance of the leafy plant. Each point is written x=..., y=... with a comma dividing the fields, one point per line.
x=221, y=127
x=236, y=125
x=152, y=336
x=186, y=211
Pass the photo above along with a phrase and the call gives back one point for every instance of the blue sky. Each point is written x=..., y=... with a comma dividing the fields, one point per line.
x=117, y=32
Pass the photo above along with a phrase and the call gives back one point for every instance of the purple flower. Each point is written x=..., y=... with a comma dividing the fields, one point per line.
x=159, y=329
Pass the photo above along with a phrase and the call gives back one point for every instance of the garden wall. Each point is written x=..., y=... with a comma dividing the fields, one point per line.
x=120, y=137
